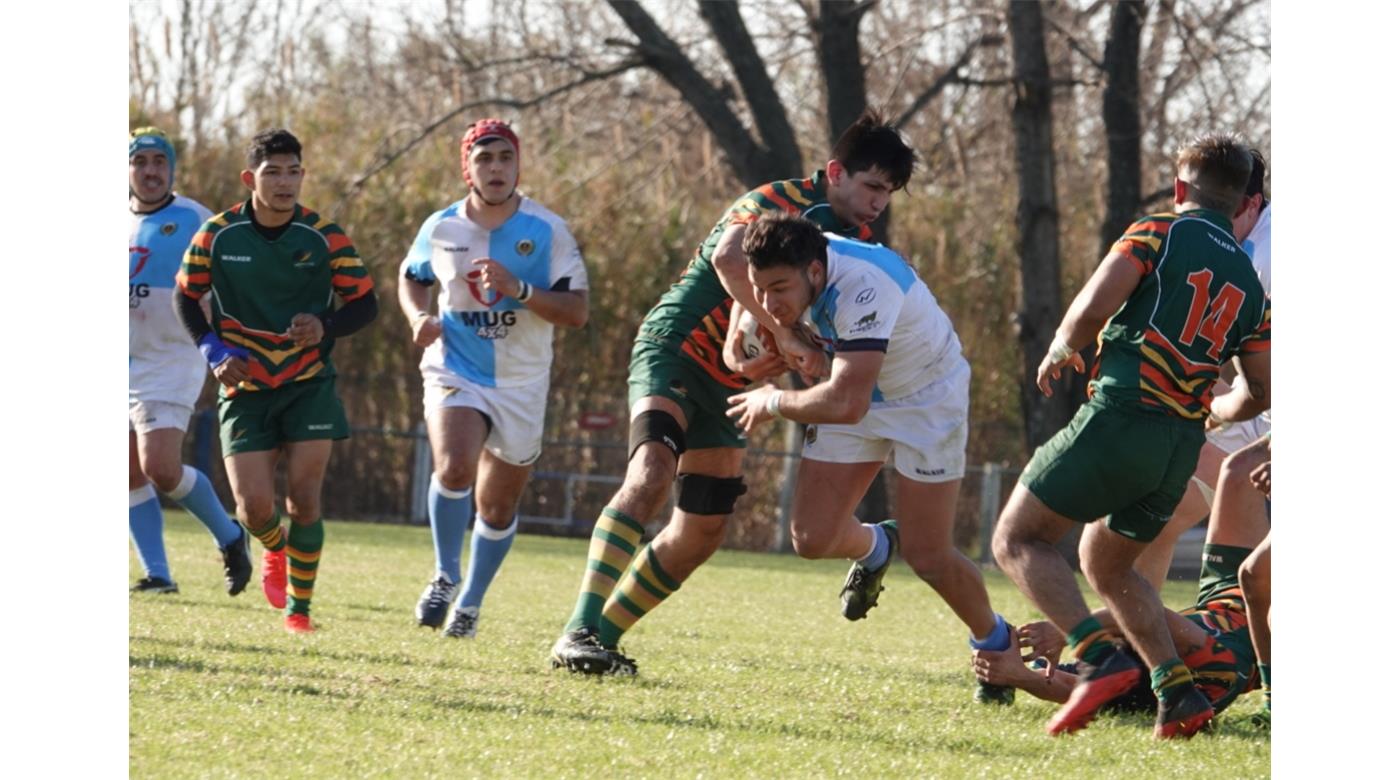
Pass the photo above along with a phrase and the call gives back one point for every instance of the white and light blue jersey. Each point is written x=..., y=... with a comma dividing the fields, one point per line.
x=873, y=300
x=163, y=362
x=1258, y=246
x=488, y=338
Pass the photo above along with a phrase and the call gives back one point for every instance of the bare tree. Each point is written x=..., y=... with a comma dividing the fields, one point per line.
x=1122, y=124
x=1037, y=217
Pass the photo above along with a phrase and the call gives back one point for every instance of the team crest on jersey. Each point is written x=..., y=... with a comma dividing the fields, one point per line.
x=302, y=257
x=168, y=229
x=524, y=247
x=866, y=296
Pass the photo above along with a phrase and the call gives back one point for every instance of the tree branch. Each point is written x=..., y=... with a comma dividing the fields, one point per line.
x=1074, y=44
x=948, y=76
x=658, y=51
x=519, y=105
x=764, y=104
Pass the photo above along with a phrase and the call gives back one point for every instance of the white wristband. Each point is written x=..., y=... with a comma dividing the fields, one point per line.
x=1059, y=350
x=525, y=291
x=772, y=406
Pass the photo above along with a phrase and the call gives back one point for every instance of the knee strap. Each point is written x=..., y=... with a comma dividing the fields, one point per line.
x=701, y=494
x=656, y=425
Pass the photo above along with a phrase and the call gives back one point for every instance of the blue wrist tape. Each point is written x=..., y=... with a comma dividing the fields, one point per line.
x=215, y=351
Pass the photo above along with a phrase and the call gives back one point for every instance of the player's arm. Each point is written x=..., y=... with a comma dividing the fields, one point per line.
x=415, y=298
x=732, y=268
x=568, y=308
x=1114, y=280
x=1004, y=667
x=1249, y=396
x=843, y=399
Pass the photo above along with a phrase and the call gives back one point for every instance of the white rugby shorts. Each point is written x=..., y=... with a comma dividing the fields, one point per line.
x=926, y=430
x=516, y=413
x=147, y=416
x=1235, y=436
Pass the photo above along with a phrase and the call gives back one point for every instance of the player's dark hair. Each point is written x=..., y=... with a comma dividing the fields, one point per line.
x=871, y=142
x=1256, y=176
x=270, y=142
x=1216, y=169
x=779, y=238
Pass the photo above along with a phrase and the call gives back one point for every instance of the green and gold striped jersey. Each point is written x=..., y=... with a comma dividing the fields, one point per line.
x=693, y=316
x=1199, y=304
x=258, y=284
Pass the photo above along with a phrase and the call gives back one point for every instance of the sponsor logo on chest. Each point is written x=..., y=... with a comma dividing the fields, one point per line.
x=490, y=324
x=235, y=258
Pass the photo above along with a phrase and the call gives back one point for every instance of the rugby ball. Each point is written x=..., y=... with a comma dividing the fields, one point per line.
x=755, y=340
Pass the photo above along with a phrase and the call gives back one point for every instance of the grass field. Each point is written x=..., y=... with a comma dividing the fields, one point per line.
x=748, y=670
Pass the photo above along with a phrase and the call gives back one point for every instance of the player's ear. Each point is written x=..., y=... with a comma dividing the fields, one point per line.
x=1179, y=191
x=1246, y=203
x=247, y=178
x=835, y=171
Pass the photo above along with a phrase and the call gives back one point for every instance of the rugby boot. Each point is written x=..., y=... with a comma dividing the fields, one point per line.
x=1185, y=713
x=621, y=664
x=580, y=651
x=154, y=585
x=437, y=598
x=275, y=577
x=463, y=625
x=297, y=623
x=986, y=693
x=861, y=592
x=238, y=566
x=1097, y=686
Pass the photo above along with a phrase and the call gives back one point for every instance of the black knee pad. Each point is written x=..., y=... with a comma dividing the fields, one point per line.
x=701, y=494
x=655, y=425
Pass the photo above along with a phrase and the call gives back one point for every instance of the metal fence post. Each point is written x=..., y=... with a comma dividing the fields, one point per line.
x=422, y=471
x=991, y=507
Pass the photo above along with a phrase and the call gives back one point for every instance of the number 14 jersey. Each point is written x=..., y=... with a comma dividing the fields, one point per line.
x=1199, y=304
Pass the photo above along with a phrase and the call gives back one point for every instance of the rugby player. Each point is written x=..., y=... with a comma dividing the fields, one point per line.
x=509, y=271
x=165, y=373
x=1252, y=230
x=899, y=384
x=273, y=269
x=678, y=387
x=1174, y=299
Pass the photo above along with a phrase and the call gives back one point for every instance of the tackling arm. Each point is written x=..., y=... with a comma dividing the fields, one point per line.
x=732, y=268
x=1249, y=396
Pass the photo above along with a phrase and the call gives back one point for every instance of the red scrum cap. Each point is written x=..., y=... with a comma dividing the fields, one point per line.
x=485, y=130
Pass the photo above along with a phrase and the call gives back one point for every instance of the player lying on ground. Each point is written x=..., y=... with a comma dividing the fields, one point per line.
x=899, y=384
x=1212, y=637
x=510, y=271
x=678, y=388
x=1174, y=299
